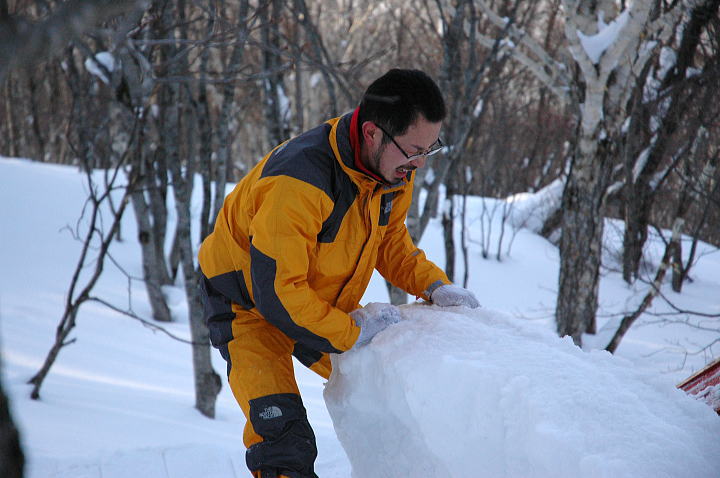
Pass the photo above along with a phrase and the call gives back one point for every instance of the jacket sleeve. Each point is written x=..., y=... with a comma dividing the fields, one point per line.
x=288, y=215
x=400, y=261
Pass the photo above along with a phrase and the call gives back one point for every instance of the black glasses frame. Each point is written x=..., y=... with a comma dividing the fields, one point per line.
x=434, y=148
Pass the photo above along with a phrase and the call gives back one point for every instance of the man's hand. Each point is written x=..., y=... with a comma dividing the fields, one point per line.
x=450, y=294
x=372, y=319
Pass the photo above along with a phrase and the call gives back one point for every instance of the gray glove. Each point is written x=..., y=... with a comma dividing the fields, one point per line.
x=372, y=319
x=450, y=294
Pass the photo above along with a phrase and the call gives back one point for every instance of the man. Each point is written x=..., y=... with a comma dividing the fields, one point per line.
x=293, y=250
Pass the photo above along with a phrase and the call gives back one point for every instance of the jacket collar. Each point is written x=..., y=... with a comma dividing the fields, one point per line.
x=345, y=133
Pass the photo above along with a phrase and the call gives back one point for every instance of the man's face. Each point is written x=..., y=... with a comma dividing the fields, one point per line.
x=387, y=161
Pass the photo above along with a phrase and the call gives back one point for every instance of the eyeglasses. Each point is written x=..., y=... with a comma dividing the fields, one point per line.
x=434, y=148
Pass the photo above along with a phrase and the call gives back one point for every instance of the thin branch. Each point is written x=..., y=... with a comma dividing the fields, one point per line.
x=545, y=61
x=629, y=319
x=680, y=310
x=147, y=323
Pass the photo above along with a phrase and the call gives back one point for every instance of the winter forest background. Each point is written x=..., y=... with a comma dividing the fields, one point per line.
x=613, y=102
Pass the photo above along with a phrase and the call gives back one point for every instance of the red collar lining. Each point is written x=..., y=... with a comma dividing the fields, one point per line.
x=355, y=144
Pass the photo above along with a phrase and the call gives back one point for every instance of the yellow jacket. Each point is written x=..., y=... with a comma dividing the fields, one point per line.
x=298, y=238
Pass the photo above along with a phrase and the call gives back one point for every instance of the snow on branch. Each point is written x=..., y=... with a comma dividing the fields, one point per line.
x=596, y=45
x=576, y=48
x=100, y=65
x=628, y=35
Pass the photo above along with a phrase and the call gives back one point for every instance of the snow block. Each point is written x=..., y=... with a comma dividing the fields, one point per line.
x=455, y=392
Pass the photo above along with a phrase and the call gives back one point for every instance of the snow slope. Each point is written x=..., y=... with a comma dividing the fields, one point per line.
x=119, y=400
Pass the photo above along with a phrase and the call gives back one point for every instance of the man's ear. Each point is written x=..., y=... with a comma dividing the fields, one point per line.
x=369, y=132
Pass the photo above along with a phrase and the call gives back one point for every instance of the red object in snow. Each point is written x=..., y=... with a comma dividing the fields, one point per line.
x=705, y=385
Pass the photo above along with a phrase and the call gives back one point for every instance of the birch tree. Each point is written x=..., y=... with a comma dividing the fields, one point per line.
x=642, y=29
x=606, y=67
x=607, y=49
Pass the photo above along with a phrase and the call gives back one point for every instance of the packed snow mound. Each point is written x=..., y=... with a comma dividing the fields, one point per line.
x=464, y=393
x=531, y=210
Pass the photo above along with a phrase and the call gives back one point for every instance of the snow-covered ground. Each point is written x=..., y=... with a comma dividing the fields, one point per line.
x=119, y=400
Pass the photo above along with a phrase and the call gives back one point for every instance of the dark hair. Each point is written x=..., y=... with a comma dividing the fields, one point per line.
x=396, y=99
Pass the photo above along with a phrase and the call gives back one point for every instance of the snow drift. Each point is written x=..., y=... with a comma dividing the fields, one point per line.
x=457, y=393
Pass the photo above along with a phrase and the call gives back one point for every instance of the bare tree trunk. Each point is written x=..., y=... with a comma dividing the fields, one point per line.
x=81, y=149
x=12, y=459
x=678, y=275
x=205, y=151
x=35, y=115
x=149, y=205
x=20, y=135
x=153, y=260
x=275, y=109
x=581, y=239
x=12, y=128
x=681, y=271
x=637, y=214
x=58, y=144
x=397, y=295
x=207, y=382
x=228, y=109
x=205, y=130
x=463, y=238
x=448, y=220
x=157, y=194
x=296, y=40
x=149, y=200
x=701, y=189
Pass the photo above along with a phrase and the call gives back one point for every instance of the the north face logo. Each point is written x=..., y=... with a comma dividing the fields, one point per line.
x=270, y=412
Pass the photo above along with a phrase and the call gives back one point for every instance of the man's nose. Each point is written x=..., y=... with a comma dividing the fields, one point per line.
x=419, y=162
